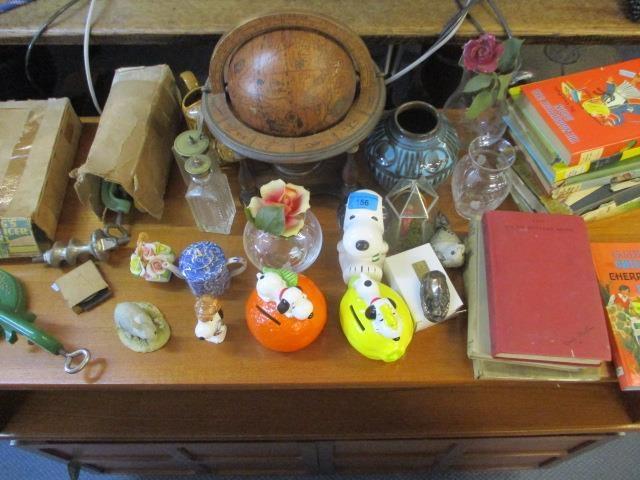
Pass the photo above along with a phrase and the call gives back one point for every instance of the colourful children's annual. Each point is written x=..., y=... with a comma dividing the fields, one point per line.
x=618, y=269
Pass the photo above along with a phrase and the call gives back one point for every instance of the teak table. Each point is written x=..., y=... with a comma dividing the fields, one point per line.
x=237, y=407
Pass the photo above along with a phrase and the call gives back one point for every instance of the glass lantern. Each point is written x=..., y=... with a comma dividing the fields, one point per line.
x=411, y=214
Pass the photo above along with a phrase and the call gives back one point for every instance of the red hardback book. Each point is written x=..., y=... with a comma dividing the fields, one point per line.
x=587, y=115
x=544, y=302
x=618, y=269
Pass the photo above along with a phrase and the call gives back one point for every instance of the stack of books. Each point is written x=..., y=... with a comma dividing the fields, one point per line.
x=534, y=311
x=579, y=137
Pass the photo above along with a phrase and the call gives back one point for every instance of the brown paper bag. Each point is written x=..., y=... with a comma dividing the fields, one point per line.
x=132, y=146
x=38, y=142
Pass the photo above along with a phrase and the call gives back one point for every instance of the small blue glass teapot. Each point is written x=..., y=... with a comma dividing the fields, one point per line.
x=413, y=141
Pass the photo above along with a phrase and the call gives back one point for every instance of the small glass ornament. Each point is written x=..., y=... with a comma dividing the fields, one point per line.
x=480, y=182
x=411, y=214
x=209, y=195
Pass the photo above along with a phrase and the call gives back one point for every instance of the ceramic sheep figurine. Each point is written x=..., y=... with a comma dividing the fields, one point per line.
x=141, y=326
x=134, y=320
x=362, y=248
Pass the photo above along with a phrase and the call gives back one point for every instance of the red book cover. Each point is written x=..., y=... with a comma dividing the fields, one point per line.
x=618, y=269
x=593, y=114
x=544, y=302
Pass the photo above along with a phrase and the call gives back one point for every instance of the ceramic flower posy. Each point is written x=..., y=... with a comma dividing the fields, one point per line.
x=494, y=63
x=279, y=209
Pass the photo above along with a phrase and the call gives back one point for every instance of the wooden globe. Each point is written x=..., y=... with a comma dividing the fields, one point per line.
x=291, y=83
x=292, y=87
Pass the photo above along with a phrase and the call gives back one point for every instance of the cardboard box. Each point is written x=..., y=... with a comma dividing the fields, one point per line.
x=38, y=142
x=83, y=287
x=403, y=272
x=132, y=146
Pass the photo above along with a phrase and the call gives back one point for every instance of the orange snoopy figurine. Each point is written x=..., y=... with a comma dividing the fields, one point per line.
x=286, y=311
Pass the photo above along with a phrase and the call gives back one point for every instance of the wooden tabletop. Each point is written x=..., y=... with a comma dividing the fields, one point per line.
x=437, y=355
x=124, y=21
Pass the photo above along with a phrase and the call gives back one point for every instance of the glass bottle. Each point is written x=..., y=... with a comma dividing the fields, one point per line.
x=209, y=195
x=480, y=182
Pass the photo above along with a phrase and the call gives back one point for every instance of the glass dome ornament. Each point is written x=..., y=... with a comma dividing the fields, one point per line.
x=410, y=214
x=296, y=253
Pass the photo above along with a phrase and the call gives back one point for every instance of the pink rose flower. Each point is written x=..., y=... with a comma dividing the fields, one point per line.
x=294, y=200
x=148, y=251
x=155, y=267
x=481, y=55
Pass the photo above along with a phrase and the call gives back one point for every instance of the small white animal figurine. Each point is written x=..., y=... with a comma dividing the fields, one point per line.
x=381, y=310
x=447, y=245
x=290, y=299
x=362, y=248
x=134, y=320
x=210, y=326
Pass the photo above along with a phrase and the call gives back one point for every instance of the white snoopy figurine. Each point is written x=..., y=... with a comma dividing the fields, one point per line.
x=362, y=248
x=291, y=300
x=381, y=310
x=210, y=326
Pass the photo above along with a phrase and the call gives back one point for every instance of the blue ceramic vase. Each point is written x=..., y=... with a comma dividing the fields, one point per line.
x=413, y=141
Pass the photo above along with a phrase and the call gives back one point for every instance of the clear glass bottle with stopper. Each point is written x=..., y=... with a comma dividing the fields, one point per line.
x=209, y=195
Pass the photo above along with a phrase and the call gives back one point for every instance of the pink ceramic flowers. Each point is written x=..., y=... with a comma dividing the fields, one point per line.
x=280, y=208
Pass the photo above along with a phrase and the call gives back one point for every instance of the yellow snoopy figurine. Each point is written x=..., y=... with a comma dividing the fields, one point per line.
x=375, y=319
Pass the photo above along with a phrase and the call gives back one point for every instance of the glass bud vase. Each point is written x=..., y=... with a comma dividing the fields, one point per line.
x=480, y=182
x=296, y=253
x=485, y=118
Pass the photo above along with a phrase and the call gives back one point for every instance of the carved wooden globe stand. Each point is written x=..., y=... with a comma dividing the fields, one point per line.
x=292, y=90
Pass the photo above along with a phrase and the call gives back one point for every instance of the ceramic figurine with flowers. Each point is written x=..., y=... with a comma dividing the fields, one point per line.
x=476, y=108
x=281, y=231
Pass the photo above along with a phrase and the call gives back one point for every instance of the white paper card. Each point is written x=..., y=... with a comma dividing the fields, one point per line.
x=403, y=272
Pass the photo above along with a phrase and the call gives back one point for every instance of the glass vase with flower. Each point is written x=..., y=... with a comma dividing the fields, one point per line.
x=281, y=231
x=477, y=107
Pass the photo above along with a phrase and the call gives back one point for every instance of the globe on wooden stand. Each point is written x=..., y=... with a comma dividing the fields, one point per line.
x=293, y=90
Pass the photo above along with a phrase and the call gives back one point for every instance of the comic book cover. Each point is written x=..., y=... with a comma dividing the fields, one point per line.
x=588, y=115
x=618, y=270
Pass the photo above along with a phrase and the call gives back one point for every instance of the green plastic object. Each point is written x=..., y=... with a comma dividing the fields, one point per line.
x=114, y=197
x=15, y=319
